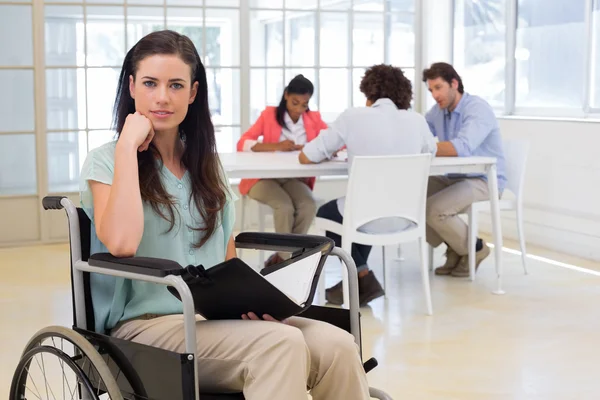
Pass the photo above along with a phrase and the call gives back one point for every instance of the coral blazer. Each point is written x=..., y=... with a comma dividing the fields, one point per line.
x=267, y=127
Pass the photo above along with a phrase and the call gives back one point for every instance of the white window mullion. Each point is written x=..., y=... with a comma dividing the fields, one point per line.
x=588, y=56
x=510, y=63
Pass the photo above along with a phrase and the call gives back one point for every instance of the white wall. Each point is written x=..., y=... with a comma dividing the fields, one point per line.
x=562, y=186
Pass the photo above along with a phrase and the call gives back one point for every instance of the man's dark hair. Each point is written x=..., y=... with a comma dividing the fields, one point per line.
x=385, y=81
x=446, y=72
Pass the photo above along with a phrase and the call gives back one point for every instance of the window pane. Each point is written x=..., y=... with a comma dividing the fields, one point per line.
x=266, y=88
x=402, y=5
x=103, y=1
x=65, y=98
x=98, y=138
x=333, y=94
x=358, y=98
x=401, y=39
x=190, y=3
x=224, y=95
x=368, y=5
x=301, y=4
x=595, y=89
x=367, y=35
x=105, y=29
x=222, y=3
x=66, y=153
x=334, y=39
x=300, y=39
x=222, y=29
x=64, y=35
x=142, y=21
x=266, y=38
x=17, y=164
x=16, y=106
x=479, y=47
x=146, y=3
x=309, y=74
x=101, y=92
x=15, y=22
x=227, y=138
x=187, y=21
x=266, y=3
x=335, y=4
x=550, y=54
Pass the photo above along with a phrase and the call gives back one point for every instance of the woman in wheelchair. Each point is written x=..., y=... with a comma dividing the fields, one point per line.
x=159, y=191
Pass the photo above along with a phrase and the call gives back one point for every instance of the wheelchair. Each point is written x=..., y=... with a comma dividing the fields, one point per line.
x=79, y=363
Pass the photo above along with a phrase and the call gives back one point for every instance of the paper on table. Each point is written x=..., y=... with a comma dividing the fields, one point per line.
x=295, y=280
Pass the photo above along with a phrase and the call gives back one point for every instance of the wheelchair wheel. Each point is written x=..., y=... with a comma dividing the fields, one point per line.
x=59, y=363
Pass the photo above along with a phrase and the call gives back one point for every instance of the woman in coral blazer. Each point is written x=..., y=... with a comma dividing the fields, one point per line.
x=286, y=127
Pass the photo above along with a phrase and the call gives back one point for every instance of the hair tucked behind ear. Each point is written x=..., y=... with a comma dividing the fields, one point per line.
x=298, y=85
x=200, y=156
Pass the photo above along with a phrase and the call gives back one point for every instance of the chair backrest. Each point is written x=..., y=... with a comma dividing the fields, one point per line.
x=515, y=153
x=387, y=186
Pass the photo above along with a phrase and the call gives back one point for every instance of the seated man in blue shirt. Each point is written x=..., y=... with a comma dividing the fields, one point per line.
x=465, y=126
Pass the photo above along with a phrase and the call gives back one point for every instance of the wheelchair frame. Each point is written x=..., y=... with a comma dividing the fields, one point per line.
x=145, y=273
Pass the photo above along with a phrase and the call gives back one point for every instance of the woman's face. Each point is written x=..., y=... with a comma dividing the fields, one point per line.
x=163, y=90
x=296, y=104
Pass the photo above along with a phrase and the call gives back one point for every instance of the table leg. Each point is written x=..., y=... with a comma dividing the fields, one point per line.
x=496, y=224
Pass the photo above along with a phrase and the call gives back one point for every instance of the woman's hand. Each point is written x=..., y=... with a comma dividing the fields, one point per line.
x=138, y=131
x=254, y=317
x=288, y=145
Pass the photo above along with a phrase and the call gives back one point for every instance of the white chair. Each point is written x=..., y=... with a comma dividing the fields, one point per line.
x=380, y=187
x=515, y=153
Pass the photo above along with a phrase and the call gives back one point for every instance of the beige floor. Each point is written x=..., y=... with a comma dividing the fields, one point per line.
x=537, y=342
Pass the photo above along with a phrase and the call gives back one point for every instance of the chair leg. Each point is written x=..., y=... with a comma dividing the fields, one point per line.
x=431, y=249
x=261, y=228
x=240, y=252
x=399, y=254
x=425, y=274
x=473, y=229
x=521, y=232
x=385, y=288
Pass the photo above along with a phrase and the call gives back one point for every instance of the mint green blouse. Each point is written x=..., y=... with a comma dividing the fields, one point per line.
x=116, y=299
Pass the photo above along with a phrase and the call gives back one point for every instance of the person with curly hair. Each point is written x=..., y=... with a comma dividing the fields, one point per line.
x=386, y=126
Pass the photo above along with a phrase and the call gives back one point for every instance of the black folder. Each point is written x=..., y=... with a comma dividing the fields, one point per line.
x=232, y=288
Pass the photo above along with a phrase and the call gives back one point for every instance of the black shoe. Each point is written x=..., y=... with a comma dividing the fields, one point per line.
x=368, y=289
x=334, y=294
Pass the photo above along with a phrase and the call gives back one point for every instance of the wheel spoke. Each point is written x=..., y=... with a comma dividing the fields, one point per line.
x=32, y=381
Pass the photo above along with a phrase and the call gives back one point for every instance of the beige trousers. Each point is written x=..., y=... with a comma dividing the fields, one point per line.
x=446, y=198
x=265, y=360
x=293, y=205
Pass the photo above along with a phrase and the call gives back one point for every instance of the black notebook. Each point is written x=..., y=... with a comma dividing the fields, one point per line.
x=233, y=288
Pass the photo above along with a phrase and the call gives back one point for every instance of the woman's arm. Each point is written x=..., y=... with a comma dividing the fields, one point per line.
x=231, y=253
x=118, y=211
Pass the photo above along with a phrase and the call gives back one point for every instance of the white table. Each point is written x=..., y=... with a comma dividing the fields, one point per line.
x=286, y=165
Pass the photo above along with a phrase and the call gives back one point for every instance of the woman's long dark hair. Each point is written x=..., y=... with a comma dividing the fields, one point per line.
x=200, y=155
x=298, y=85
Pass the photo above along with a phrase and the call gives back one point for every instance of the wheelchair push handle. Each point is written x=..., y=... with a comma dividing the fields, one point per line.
x=53, y=202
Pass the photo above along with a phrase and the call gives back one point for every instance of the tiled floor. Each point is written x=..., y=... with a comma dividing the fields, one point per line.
x=540, y=341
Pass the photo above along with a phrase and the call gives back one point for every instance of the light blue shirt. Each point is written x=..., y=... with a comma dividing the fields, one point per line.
x=472, y=129
x=117, y=299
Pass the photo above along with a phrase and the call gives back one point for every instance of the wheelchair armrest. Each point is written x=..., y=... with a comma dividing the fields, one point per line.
x=287, y=242
x=158, y=267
